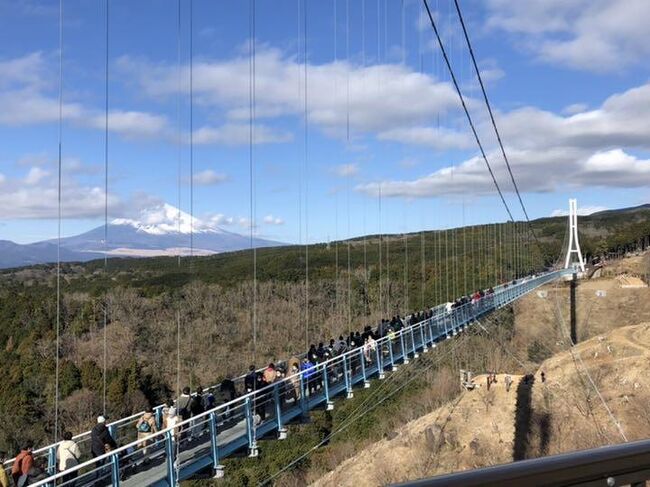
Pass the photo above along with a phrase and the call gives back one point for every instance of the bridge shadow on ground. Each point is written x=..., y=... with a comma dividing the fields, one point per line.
x=532, y=428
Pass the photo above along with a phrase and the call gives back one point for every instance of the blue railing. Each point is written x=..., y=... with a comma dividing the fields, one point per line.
x=172, y=454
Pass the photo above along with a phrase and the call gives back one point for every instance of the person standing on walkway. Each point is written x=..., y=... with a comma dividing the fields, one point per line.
x=508, y=381
x=183, y=407
x=197, y=407
x=68, y=456
x=172, y=420
x=101, y=442
x=23, y=462
x=146, y=427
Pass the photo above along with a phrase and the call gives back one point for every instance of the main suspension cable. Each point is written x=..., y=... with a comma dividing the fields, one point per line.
x=465, y=109
x=494, y=125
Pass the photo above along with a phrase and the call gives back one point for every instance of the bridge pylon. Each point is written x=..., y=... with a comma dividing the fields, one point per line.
x=574, y=244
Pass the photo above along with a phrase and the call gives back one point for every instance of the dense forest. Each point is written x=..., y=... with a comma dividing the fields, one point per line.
x=144, y=301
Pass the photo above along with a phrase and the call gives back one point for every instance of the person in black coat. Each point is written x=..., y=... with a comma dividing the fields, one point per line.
x=101, y=440
x=197, y=407
x=227, y=388
x=312, y=354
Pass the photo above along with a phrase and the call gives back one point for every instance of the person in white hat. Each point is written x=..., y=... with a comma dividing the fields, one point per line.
x=101, y=441
x=172, y=420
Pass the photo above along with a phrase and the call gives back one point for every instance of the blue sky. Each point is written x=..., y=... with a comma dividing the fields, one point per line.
x=567, y=80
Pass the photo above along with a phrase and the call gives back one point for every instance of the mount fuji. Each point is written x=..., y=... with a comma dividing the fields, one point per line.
x=161, y=230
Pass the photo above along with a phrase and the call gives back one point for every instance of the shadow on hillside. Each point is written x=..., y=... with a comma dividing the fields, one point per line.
x=544, y=425
x=523, y=417
x=530, y=426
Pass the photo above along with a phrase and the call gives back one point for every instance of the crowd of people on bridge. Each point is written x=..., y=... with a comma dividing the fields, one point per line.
x=188, y=405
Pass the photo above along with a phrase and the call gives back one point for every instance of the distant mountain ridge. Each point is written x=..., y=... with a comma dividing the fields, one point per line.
x=164, y=231
x=160, y=230
x=629, y=209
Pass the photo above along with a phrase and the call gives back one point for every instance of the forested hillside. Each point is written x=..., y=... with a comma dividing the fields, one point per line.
x=213, y=298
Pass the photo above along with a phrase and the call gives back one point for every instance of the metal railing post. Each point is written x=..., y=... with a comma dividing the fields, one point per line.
x=405, y=355
x=51, y=460
x=347, y=375
x=169, y=451
x=115, y=470
x=362, y=357
x=250, y=428
x=413, y=346
x=393, y=367
x=303, y=393
x=433, y=338
x=326, y=388
x=423, y=341
x=214, y=447
x=380, y=365
x=282, y=431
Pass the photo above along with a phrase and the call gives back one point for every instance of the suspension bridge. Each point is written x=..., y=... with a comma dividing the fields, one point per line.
x=201, y=443
x=233, y=427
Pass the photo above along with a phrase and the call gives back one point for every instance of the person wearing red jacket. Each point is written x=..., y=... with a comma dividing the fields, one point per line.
x=23, y=462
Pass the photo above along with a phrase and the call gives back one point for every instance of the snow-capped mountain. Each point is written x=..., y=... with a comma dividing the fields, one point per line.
x=166, y=219
x=159, y=230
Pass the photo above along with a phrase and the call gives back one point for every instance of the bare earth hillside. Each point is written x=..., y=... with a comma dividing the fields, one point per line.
x=535, y=418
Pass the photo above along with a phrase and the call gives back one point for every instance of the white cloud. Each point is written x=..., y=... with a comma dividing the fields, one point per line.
x=345, y=170
x=40, y=201
x=244, y=222
x=535, y=171
x=28, y=96
x=221, y=219
x=273, y=220
x=594, y=35
x=23, y=71
x=437, y=138
x=548, y=151
x=381, y=96
x=208, y=178
x=29, y=107
x=239, y=134
x=35, y=195
x=133, y=124
x=582, y=211
x=36, y=175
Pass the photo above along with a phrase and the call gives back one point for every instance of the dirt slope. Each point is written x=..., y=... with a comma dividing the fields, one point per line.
x=484, y=428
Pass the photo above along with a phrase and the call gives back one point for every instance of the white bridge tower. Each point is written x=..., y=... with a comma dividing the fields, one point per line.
x=574, y=244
